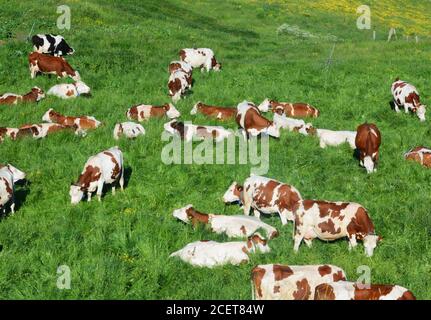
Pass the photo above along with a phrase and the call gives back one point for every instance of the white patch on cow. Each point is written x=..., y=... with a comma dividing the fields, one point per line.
x=369, y=164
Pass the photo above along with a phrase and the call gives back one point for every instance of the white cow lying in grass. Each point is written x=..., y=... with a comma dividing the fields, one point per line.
x=232, y=226
x=67, y=91
x=291, y=124
x=211, y=253
x=335, y=138
x=130, y=129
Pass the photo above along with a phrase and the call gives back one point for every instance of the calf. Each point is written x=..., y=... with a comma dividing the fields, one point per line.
x=291, y=124
x=295, y=110
x=405, y=95
x=367, y=142
x=51, y=65
x=265, y=195
x=232, y=226
x=184, y=67
x=283, y=282
x=8, y=132
x=39, y=131
x=144, y=112
x=178, y=84
x=211, y=253
x=35, y=95
x=220, y=113
x=81, y=124
x=51, y=44
x=202, y=58
x=329, y=221
x=105, y=167
x=189, y=132
x=251, y=121
x=68, y=91
x=8, y=176
x=130, y=129
x=336, y=138
x=421, y=155
x=345, y=290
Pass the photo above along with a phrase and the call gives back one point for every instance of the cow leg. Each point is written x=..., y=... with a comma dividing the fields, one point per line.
x=99, y=190
x=122, y=179
x=88, y=196
x=322, y=144
x=352, y=242
x=113, y=189
x=298, y=239
x=247, y=204
x=256, y=213
x=309, y=242
x=12, y=206
x=406, y=108
x=396, y=107
x=283, y=217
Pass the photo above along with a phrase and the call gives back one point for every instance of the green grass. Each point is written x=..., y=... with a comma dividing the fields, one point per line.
x=119, y=248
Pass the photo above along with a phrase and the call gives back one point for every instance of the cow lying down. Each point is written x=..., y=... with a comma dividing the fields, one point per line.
x=285, y=282
x=291, y=124
x=68, y=91
x=40, y=130
x=130, y=130
x=345, y=290
x=336, y=138
x=188, y=131
x=232, y=226
x=211, y=253
x=420, y=155
x=35, y=95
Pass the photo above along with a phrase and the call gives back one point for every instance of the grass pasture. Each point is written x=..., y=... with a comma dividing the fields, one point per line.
x=118, y=249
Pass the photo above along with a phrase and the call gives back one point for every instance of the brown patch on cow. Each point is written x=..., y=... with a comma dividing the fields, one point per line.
x=159, y=111
x=324, y=270
x=196, y=216
x=174, y=86
x=338, y=276
x=330, y=208
x=8, y=186
x=12, y=99
x=295, y=110
x=55, y=127
x=133, y=112
x=257, y=275
x=414, y=99
x=221, y=113
x=243, y=230
x=70, y=93
x=408, y=295
x=303, y=290
x=50, y=64
x=244, y=249
x=366, y=142
x=90, y=174
x=373, y=293
x=281, y=272
x=116, y=170
x=360, y=225
x=273, y=235
x=329, y=227
x=287, y=198
x=276, y=289
x=202, y=131
x=399, y=85
x=182, y=54
x=324, y=291
x=253, y=120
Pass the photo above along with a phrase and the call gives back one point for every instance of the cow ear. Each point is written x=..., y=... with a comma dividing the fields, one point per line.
x=240, y=188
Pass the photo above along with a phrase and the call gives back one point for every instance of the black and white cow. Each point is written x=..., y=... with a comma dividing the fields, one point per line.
x=51, y=44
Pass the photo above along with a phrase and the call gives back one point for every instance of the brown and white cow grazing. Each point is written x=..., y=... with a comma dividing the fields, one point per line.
x=330, y=221
x=421, y=155
x=39, y=62
x=39, y=130
x=202, y=58
x=8, y=176
x=184, y=67
x=367, y=141
x=104, y=167
x=81, y=123
x=220, y=113
x=251, y=121
x=294, y=110
x=178, y=83
x=145, y=111
x=189, y=132
x=345, y=290
x=265, y=195
x=8, y=132
x=285, y=282
x=233, y=226
x=35, y=95
x=407, y=96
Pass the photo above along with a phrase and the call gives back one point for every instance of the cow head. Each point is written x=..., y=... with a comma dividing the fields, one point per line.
x=420, y=112
x=171, y=111
x=264, y=106
x=370, y=243
x=233, y=193
x=259, y=243
x=215, y=65
x=38, y=93
x=369, y=162
x=47, y=116
x=64, y=49
x=195, y=108
x=82, y=88
x=76, y=193
x=118, y=130
x=16, y=173
x=181, y=214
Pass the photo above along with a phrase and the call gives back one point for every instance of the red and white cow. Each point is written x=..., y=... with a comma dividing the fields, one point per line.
x=145, y=111
x=8, y=132
x=105, y=167
x=252, y=123
x=189, y=132
x=233, y=226
x=220, y=113
x=184, y=67
x=292, y=124
x=8, y=176
x=265, y=195
x=211, y=253
x=421, y=155
x=47, y=64
x=35, y=95
x=81, y=123
x=286, y=282
x=178, y=83
x=67, y=91
x=130, y=129
x=345, y=290
x=336, y=138
x=294, y=110
x=330, y=221
x=202, y=58
x=407, y=96
x=367, y=141
x=39, y=130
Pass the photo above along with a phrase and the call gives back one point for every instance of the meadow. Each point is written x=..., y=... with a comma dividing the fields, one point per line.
x=119, y=248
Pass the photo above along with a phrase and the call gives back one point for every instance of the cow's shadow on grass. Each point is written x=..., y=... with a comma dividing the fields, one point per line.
x=392, y=105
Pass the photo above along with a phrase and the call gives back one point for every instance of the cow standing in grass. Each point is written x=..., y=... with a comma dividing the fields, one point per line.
x=367, y=141
x=251, y=122
x=202, y=58
x=407, y=96
x=9, y=175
